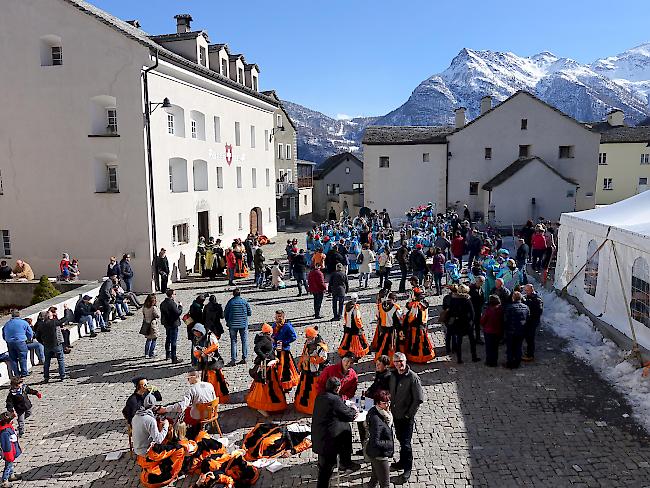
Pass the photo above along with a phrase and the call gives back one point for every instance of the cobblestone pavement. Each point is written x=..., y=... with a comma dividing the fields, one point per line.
x=553, y=423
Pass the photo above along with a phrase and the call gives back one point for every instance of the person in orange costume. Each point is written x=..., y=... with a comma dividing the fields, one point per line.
x=389, y=320
x=312, y=361
x=266, y=395
x=206, y=350
x=420, y=348
x=283, y=335
x=354, y=340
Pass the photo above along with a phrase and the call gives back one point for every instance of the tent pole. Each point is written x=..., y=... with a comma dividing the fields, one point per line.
x=565, y=287
x=635, y=344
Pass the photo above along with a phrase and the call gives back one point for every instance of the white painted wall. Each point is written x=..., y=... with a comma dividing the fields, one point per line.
x=305, y=208
x=408, y=181
x=533, y=181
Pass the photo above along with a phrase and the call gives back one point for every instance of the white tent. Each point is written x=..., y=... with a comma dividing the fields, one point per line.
x=614, y=282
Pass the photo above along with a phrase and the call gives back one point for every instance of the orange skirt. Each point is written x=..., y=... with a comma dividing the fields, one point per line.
x=306, y=393
x=241, y=271
x=267, y=396
x=289, y=376
x=161, y=466
x=354, y=343
x=420, y=349
x=218, y=381
x=385, y=345
x=374, y=345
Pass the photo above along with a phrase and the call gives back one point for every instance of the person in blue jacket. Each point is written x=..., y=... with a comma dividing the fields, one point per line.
x=16, y=332
x=283, y=336
x=10, y=448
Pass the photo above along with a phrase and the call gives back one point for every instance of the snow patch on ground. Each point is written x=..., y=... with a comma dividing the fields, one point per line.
x=602, y=354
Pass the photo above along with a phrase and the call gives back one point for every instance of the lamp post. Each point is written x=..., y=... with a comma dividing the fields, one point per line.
x=164, y=104
x=280, y=128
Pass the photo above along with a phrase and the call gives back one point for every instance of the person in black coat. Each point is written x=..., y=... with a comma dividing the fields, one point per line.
x=515, y=318
x=380, y=446
x=418, y=263
x=136, y=400
x=127, y=272
x=477, y=296
x=196, y=313
x=212, y=315
x=461, y=320
x=502, y=292
x=338, y=286
x=161, y=270
x=170, y=318
x=331, y=433
x=535, y=305
x=300, y=270
x=382, y=376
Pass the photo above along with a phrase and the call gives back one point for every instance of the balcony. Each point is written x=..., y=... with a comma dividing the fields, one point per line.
x=305, y=182
x=283, y=187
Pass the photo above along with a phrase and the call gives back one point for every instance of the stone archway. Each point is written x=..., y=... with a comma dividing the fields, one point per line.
x=255, y=221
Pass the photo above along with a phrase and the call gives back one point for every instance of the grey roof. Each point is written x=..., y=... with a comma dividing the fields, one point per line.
x=332, y=162
x=218, y=47
x=515, y=167
x=179, y=36
x=304, y=161
x=621, y=134
x=388, y=135
x=143, y=38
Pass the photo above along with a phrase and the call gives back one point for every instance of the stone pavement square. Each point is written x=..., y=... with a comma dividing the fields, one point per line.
x=552, y=423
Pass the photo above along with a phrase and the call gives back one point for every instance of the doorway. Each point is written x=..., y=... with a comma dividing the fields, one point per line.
x=255, y=221
x=204, y=224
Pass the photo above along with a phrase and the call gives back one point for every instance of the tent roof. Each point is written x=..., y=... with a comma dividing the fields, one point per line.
x=629, y=220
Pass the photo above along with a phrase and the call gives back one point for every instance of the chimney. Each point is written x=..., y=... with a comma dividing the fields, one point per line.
x=616, y=117
x=486, y=104
x=460, y=117
x=134, y=23
x=183, y=23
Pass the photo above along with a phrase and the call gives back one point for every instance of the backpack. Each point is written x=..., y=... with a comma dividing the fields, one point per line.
x=360, y=258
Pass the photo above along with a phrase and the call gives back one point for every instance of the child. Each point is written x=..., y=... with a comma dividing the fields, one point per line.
x=10, y=448
x=19, y=403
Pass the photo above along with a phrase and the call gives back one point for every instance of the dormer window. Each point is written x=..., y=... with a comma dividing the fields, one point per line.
x=224, y=67
x=240, y=76
x=202, y=56
x=57, y=56
x=255, y=83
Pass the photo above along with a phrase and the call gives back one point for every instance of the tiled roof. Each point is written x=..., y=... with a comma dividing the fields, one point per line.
x=144, y=39
x=380, y=135
x=621, y=134
x=332, y=162
x=218, y=47
x=179, y=36
x=515, y=167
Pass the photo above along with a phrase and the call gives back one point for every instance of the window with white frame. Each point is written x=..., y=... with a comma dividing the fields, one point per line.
x=112, y=184
x=238, y=170
x=266, y=140
x=200, y=175
x=202, y=56
x=645, y=158
x=193, y=122
x=220, y=224
x=111, y=118
x=51, y=51
x=278, y=120
x=384, y=162
x=181, y=233
x=268, y=177
x=219, y=177
x=357, y=186
x=57, y=56
x=240, y=221
x=347, y=170
x=426, y=158
x=237, y=135
x=288, y=151
x=608, y=184
x=591, y=268
x=6, y=243
x=217, y=129
x=254, y=177
x=640, y=300
x=566, y=152
x=280, y=151
x=602, y=159
x=224, y=67
x=255, y=83
x=252, y=136
x=289, y=176
x=240, y=76
x=178, y=175
x=333, y=189
x=170, y=124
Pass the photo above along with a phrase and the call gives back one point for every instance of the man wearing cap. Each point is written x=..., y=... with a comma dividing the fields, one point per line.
x=161, y=270
x=136, y=400
x=86, y=313
x=147, y=429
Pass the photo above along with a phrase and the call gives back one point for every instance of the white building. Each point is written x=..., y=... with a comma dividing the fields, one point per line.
x=82, y=174
x=519, y=160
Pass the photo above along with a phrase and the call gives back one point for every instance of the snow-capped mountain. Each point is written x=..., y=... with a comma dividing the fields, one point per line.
x=584, y=91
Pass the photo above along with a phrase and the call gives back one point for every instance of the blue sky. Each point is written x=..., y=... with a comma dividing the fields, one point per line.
x=363, y=57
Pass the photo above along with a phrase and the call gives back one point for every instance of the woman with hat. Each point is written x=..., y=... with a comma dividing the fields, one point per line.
x=266, y=395
x=312, y=361
x=420, y=349
x=389, y=321
x=283, y=335
x=205, y=348
x=354, y=340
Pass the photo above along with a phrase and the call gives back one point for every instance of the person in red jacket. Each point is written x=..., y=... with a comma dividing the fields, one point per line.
x=231, y=264
x=458, y=247
x=317, y=287
x=344, y=372
x=10, y=448
x=538, y=245
x=492, y=323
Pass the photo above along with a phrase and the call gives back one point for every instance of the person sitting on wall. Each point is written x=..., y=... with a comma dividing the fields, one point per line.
x=23, y=271
x=5, y=271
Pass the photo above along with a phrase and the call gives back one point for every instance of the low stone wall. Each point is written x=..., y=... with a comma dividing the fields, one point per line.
x=20, y=293
x=76, y=331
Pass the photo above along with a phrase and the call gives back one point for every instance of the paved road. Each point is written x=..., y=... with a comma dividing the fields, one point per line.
x=553, y=423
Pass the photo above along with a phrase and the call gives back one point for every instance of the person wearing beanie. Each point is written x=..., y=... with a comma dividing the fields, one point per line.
x=312, y=361
x=283, y=335
x=389, y=323
x=265, y=395
x=419, y=347
x=205, y=349
x=10, y=448
x=19, y=403
x=354, y=340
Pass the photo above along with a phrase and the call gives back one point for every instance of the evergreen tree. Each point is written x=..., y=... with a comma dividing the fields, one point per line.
x=44, y=291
